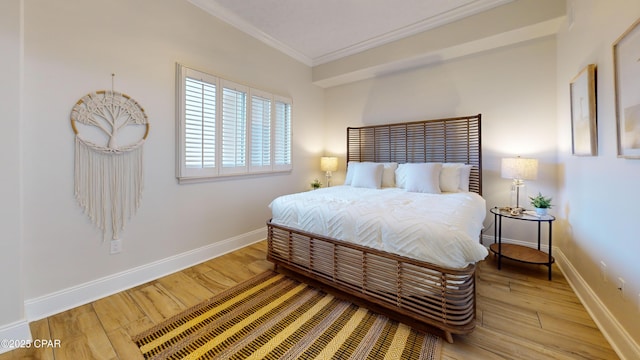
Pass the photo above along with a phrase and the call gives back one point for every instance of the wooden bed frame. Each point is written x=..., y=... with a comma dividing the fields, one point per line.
x=421, y=294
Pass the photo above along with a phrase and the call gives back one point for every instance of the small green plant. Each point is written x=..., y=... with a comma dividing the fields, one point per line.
x=316, y=184
x=540, y=201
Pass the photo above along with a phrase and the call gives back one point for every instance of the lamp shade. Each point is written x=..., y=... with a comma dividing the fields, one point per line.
x=519, y=168
x=328, y=163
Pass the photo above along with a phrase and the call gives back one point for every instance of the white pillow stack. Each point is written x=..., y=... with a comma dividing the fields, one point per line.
x=366, y=174
x=432, y=178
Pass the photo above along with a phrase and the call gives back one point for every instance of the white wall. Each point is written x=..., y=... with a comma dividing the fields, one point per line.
x=512, y=87
x=598, y=195
x=71, y=48
x=11, y=301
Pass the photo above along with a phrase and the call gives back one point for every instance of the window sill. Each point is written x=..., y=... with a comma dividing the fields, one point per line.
x=202, y=179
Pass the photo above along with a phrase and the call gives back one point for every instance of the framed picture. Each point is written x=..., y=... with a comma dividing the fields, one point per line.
x=626, y=64
x=584, y=134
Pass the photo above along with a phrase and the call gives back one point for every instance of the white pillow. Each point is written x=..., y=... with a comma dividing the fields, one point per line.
x=423, y=177
x=389, y=174
x=351, y=169
x=401, y=176
x=368, y=175
x=450, y=177
x=465, y=172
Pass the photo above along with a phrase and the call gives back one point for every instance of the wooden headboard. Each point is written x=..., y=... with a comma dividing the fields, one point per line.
x=440, y=140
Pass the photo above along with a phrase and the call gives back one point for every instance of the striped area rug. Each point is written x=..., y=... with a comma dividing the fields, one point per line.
x=272, y=316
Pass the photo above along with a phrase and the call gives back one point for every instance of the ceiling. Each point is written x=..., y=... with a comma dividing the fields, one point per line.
x=318, y=31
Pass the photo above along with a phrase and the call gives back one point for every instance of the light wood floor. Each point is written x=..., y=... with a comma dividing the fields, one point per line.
x=521, y=315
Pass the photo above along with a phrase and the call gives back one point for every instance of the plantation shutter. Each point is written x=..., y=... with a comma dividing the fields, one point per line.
x=225, y=129
x=234, y=129
x=198, y=123
x=260, y=132
x=282, y=135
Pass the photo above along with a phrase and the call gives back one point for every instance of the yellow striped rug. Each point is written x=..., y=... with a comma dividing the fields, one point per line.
x=272, y=316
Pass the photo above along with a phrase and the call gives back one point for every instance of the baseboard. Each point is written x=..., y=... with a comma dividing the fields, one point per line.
x=14, y=335
x=488, y=239
x=623, y=344
x=50, y=304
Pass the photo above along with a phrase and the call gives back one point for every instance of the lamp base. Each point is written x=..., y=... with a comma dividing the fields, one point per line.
x=518, y=189
x=328, y=176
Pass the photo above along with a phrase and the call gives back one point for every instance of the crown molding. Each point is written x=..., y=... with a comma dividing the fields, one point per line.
x=531, y=32
x=458, y=13
x=230, y=18
x=223, y=14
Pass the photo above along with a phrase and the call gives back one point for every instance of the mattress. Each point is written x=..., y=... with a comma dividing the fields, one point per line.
x=442, y=229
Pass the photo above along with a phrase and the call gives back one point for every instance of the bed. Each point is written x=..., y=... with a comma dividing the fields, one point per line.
x=432, y=291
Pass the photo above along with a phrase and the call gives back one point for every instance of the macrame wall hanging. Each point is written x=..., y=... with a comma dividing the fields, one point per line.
x=110, y=129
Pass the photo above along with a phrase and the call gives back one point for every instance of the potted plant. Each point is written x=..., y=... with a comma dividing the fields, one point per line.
x=541, y=204
x=316, y=184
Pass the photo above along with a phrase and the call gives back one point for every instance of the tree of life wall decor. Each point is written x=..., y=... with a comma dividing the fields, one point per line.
x=110, y=129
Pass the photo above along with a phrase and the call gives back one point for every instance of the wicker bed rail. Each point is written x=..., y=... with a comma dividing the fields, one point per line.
x=438, y=297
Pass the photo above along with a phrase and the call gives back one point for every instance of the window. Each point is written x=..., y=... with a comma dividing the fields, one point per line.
x=198, y=124
x=260, y=132
x=282, y=134
x=234, y=129
x=228, y=129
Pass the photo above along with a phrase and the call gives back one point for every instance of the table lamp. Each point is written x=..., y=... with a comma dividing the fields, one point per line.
x=328, y=164
x=519, y=169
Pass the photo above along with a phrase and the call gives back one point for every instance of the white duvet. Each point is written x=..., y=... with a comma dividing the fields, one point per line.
x=442, y=229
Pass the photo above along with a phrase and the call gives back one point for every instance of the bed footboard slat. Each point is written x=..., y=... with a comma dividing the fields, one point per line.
x=439, y=297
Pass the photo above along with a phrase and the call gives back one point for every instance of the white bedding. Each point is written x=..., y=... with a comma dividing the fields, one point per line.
x=442, y=229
